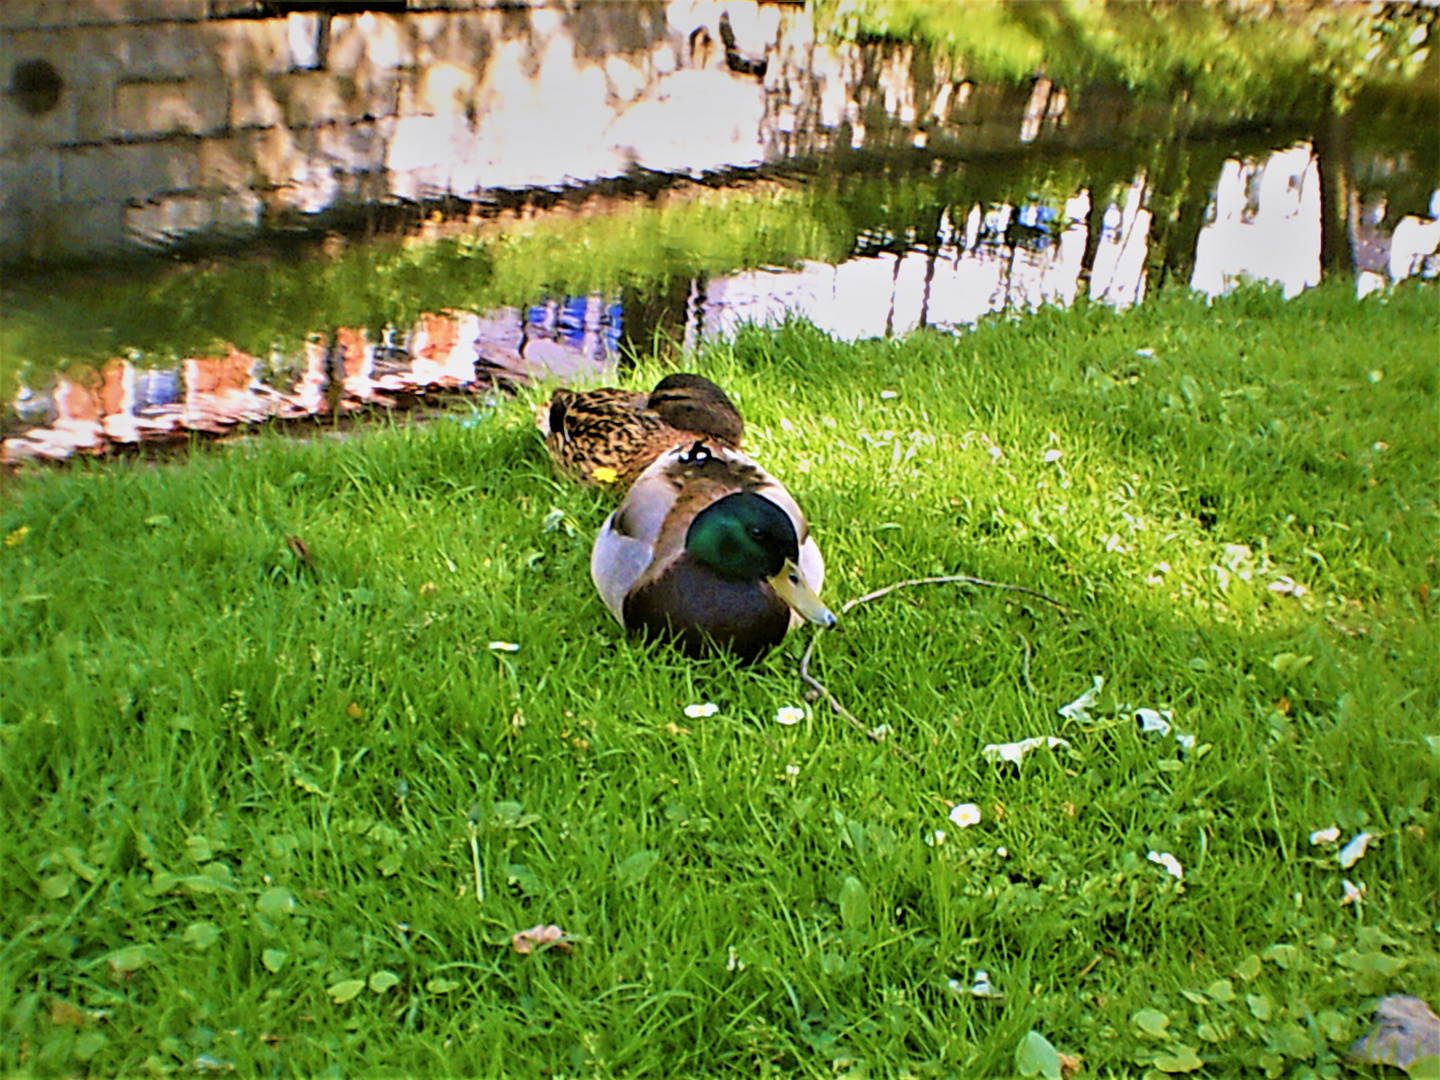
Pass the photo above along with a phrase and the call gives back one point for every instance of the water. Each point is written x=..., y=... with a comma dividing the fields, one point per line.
x=888, y=227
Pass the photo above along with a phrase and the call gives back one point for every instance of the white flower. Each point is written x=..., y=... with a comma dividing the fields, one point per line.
x=1325, y=836
x=965, y=815
x=1052, y=455
x=1186, y=743
x=1079, y=708
x=1353, y=893
x=1016, y=751
x=1376, y=375
x=936, y=838
x=982, y=986
x=1354, y=851
x=1152, y=722
x=698, y=712
x=1002, y=853
x=792, y=771
x=1149, y=354
x=1380, y=447
x=1235, y=554
x=504, y=646
x=881, y=733
x=789, y=714
x=1169, y=862
x=888, y=395
x=1286, y=587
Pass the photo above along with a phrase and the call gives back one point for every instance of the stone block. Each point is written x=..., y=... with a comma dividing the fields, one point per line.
x=277, y=157
x=158, y=53
x=253, y=104
x=46, y=14
x=371, y=40
x=227, y=164
x=353, y=148
x=311, y=98
x=193, y=106
x=161, y=221
x=88, y=229
x=250, y=48
x=29, y=180
x=126, y=172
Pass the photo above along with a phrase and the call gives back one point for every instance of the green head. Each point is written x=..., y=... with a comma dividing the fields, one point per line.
x=745, y=537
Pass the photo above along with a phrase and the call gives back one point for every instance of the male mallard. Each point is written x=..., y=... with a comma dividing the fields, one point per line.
x=609, y=436
x=710, y=549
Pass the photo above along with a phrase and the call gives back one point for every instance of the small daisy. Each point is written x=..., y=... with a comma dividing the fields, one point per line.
x=1169, y=863
x=1354, y=851
x=789, y=715
x=503, y=646
x=699, y=712
x=965, y=815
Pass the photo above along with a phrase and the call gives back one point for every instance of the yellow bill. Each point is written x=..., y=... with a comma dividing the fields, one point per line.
x=791, y=586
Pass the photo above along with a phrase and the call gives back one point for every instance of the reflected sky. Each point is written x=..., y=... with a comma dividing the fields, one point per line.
x=1262, y=224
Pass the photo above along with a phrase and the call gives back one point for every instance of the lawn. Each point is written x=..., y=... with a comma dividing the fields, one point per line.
x=280, y=794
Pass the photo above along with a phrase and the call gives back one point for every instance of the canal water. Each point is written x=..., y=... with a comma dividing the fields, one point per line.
x=440, y=296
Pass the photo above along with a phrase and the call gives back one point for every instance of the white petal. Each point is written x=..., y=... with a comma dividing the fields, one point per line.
x=1016, y=751
x=965, y=815
x=1053, y=455
x=1325, y=836
x=936, y=838
x=1354, y=851
x=504, y=646
x=1079, y=708
x=888, y=395
x=1353, y=894
x=1152, y=722
x=697, y=712
x=1169, y=862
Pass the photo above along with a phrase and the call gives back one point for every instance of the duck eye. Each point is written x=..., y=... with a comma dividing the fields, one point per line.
x=794, y=579
x=756, y=533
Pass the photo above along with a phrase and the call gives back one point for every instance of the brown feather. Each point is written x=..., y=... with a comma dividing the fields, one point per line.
x=609, y=436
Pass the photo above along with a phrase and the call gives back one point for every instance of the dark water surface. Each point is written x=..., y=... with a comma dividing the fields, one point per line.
x=889, y=227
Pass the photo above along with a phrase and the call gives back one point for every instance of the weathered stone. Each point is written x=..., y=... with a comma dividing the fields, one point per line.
x=194, y=106
x=248, y=48
x=227, y=164
x=310, y=98
x=30, y=180
x=119, y=172
x=253, y=104
x=30, y=14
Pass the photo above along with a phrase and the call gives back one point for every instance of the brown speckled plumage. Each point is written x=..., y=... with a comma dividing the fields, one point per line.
x=609, y=436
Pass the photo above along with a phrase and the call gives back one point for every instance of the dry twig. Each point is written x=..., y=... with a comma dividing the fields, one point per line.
x=952, y=579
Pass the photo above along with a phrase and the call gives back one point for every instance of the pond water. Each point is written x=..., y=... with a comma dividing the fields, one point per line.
x=438, y=296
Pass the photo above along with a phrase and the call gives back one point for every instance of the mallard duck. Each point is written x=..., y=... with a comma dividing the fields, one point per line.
x=709, y=549
x=609, y=436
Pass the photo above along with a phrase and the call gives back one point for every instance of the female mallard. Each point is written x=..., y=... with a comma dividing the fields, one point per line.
x=710, y=550
x=609, y=436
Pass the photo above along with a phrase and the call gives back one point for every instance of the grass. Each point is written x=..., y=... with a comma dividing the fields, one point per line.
x=243, y=787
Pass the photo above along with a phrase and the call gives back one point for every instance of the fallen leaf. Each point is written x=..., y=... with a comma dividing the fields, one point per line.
x=1015, y=751
x=1079, y=709
x=1406, y=1035
x=1354, y=851
x=527, y=941
x=1036, y=1056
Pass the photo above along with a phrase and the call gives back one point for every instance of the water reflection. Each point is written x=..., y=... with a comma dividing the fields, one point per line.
x=127, y=403
x=1262, y=222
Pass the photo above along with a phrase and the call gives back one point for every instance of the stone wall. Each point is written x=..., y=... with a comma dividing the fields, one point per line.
x=139, y=122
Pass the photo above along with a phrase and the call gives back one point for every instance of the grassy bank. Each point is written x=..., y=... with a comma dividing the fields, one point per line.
x=250, y=778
